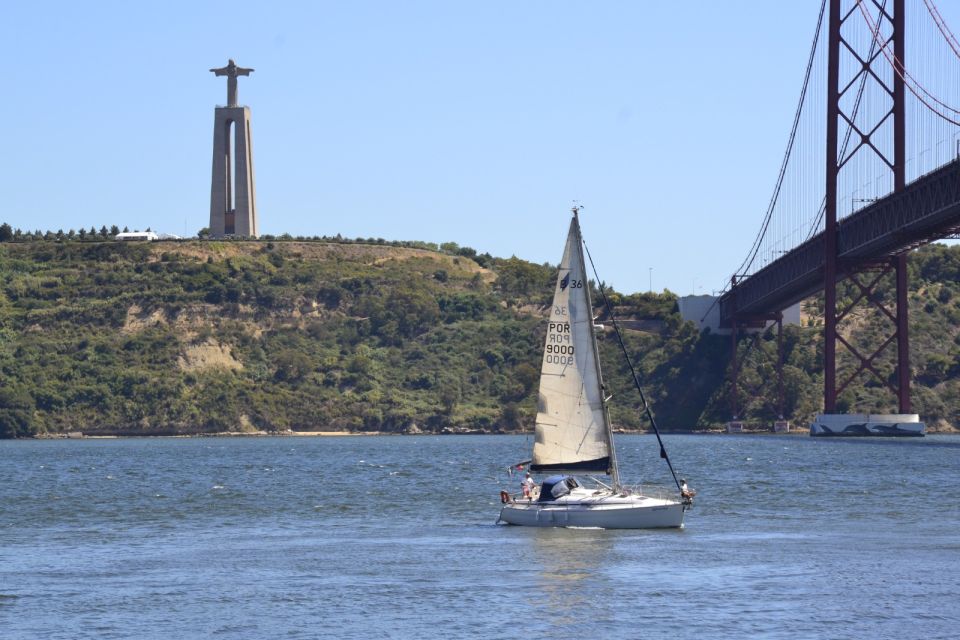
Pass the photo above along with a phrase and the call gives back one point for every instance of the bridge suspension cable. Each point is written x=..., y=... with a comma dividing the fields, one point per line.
x=755, y=248
x=909, y=81
x=942, y=25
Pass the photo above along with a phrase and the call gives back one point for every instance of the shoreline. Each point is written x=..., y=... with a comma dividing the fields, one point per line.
x=76, y=435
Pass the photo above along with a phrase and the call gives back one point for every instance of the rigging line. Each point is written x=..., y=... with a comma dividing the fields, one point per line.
x=943, y=26
x=626, y=355
x=900, y=70
x=755, y=248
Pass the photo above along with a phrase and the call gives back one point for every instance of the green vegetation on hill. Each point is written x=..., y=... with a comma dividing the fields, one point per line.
x=208, y=336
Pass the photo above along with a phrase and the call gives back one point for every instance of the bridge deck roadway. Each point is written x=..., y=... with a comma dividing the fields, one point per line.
x=925, y=210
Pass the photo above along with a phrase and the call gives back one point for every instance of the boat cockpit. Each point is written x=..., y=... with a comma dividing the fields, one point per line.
x=555, y=487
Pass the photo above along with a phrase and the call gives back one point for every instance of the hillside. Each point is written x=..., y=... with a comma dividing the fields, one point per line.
x=187, y=337
x=202, y=336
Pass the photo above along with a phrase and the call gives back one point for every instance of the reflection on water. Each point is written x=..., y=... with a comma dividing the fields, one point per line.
x=566, y=561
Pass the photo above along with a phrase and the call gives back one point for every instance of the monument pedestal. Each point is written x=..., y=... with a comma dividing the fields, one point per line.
x=233, y=209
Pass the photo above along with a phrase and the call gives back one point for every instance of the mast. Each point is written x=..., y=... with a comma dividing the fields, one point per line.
x=614, y=468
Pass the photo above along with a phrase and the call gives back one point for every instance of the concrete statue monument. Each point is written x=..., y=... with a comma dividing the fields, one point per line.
x=233, y=208
x=231, y=71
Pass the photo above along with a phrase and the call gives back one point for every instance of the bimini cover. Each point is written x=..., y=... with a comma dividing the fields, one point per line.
x=571, y=429
x=556, y=487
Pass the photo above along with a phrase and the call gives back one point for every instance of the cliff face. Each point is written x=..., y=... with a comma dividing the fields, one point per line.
x=191, y=337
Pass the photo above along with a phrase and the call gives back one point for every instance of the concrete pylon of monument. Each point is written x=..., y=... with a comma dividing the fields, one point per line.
x=233, y=201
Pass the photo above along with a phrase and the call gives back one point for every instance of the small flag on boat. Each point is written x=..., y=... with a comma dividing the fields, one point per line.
x=663, y=453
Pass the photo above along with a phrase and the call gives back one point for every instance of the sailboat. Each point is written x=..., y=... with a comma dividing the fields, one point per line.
x=573, y=437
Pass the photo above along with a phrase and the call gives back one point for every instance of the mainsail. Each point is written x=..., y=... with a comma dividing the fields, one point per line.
x=572, y=432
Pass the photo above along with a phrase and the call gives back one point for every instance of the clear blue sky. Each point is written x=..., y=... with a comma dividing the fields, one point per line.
x=472, y=122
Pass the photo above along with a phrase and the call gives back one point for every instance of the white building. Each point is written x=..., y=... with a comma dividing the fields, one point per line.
x=704, y=311
x=131, y=236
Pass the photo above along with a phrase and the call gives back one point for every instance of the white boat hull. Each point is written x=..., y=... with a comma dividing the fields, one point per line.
x=611, y=512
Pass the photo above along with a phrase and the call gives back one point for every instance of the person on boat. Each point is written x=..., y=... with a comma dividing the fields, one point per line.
x=685, y=490
x=527, y=484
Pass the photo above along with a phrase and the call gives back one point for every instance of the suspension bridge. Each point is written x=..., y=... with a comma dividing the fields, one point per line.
x=871, y=171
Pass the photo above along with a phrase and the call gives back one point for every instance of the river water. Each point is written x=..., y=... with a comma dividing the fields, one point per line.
x=394, y=537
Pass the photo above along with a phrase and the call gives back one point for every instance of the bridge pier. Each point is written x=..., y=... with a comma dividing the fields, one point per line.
x=903, y=337
x=761, y=324
x=734, y=373
x=830, y=212
x=899, y=184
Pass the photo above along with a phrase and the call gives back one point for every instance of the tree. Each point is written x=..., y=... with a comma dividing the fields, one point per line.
x=527, y=375
x=520, y=278
x=292, y=365
x=104, y=231
x=510, y=417
x=449, y=397
x=114, y=230
x=16, y=413
x=6, y=232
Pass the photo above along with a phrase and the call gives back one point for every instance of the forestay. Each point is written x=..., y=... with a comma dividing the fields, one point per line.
x=572, y=434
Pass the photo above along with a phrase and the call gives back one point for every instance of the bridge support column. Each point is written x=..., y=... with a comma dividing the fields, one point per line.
x=760, y=325
x=780, y=399
x=734, y=373
x=903, y=336
x=830, y=212
x=899, y=183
